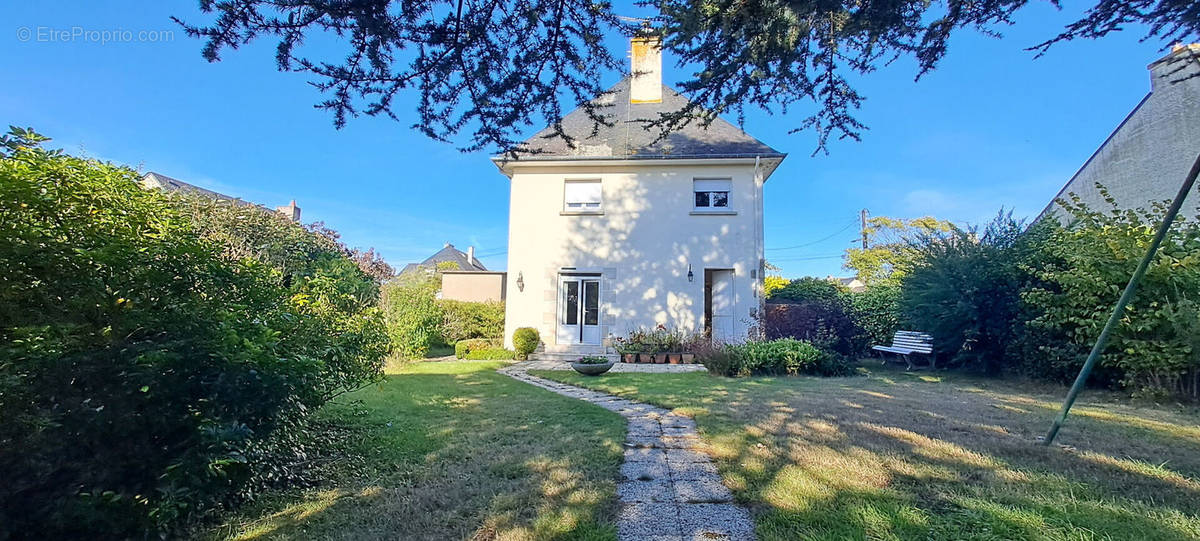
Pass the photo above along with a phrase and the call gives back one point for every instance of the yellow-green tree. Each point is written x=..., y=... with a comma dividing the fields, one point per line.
x=890, y=252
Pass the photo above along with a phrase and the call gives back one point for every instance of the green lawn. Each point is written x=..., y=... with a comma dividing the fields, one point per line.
x=453, y=450
x=936, y=456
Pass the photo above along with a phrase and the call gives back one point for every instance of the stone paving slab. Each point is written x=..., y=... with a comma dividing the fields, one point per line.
x=646, y=470
x=649, y=521
x=644, y=454
x=671, y=491
x=701, y=490
x=710, y=522
x=692, y=470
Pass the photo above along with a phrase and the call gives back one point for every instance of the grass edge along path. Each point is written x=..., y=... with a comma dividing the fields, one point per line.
x=934, y=456
x=452, y=450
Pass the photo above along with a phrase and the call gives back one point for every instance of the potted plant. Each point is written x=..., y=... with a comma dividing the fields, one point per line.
x=628, y=349
x=592, y=366
x=674, y=358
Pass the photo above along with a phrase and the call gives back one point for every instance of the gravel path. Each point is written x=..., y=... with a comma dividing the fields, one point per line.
x=670, y=490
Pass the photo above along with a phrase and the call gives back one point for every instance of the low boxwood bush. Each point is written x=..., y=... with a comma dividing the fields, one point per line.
x=493, y=353
x=525, y=340
x=462, y=348
x=782, y=356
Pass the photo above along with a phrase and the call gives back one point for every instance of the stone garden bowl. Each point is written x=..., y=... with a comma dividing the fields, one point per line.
x=592, y=369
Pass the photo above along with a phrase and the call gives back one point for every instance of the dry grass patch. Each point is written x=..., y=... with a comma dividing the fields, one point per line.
x=937, y=456
x=453, y=450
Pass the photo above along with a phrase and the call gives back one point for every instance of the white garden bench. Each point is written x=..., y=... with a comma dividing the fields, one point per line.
x=907, y=343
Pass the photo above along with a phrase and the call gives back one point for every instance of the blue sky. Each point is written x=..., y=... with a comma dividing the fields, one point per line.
x=991, y=127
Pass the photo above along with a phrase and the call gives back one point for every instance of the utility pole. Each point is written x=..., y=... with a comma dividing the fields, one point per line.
x=863, y=219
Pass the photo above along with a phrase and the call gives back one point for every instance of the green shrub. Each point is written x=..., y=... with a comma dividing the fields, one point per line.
x=876, y=312
x=525, y=340
x=150, y=374
x=462, y=320
x=810, y=289
x=463, y=347
x=963, y=289
x=1083, y=268
x=414, y=318
x=491, y=354
x=783, y=356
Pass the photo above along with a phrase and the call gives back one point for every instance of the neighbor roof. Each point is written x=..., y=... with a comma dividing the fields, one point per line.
x=448, y=253
x=169, y=184
x=627, y=137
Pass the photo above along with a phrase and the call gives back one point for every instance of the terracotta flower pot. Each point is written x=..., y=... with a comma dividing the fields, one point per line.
x=660, y=358
x=643, y=358
x=629, y=358
x=688, y=358
x=674, y=358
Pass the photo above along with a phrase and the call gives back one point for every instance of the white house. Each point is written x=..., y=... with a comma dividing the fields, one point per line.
x=618, y=231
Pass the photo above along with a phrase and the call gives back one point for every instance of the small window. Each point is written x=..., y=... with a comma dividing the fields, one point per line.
x=582, y=195
x=712, y=193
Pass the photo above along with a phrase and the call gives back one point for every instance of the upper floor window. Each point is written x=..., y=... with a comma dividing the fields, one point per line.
x=712, y=193
x=582, y=195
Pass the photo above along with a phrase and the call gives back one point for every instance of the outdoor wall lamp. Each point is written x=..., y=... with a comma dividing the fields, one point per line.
x=691, y=277
x=520, y=282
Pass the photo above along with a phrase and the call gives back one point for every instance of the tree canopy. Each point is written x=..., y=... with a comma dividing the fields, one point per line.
x=479, y=72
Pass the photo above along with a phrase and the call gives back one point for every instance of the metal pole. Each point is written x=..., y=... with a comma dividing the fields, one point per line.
x=1119, y=309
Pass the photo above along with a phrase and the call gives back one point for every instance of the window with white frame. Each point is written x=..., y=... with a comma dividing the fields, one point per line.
x=582, y=195
x=712, y=193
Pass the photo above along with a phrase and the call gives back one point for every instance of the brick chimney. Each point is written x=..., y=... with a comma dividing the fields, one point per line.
x=1182, y=62
x=646, y=69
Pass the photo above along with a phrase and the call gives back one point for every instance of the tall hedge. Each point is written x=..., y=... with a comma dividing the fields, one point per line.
x=964, y=289
x=414, y=318
x=149, y=374
x=462, y=320
x=1155, y=349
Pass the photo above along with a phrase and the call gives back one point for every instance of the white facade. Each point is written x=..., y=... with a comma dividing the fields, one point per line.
x=579, y=275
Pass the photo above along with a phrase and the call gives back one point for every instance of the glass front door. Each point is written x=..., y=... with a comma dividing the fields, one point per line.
x=578, y=309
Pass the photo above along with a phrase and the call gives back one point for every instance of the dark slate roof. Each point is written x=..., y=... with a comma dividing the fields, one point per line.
x=627, y=138
x=175, y=185
x=448, y=253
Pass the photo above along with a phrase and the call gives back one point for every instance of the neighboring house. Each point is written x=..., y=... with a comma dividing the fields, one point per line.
x=620, y=231
x=1145, y=159
x=162, y=182
x=464, y=278
x=852, y=283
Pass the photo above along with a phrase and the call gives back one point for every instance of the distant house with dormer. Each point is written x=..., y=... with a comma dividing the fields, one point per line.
x=464, y=278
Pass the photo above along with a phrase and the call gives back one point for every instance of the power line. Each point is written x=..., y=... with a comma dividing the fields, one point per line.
x=818, y=241
x=806, y=258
